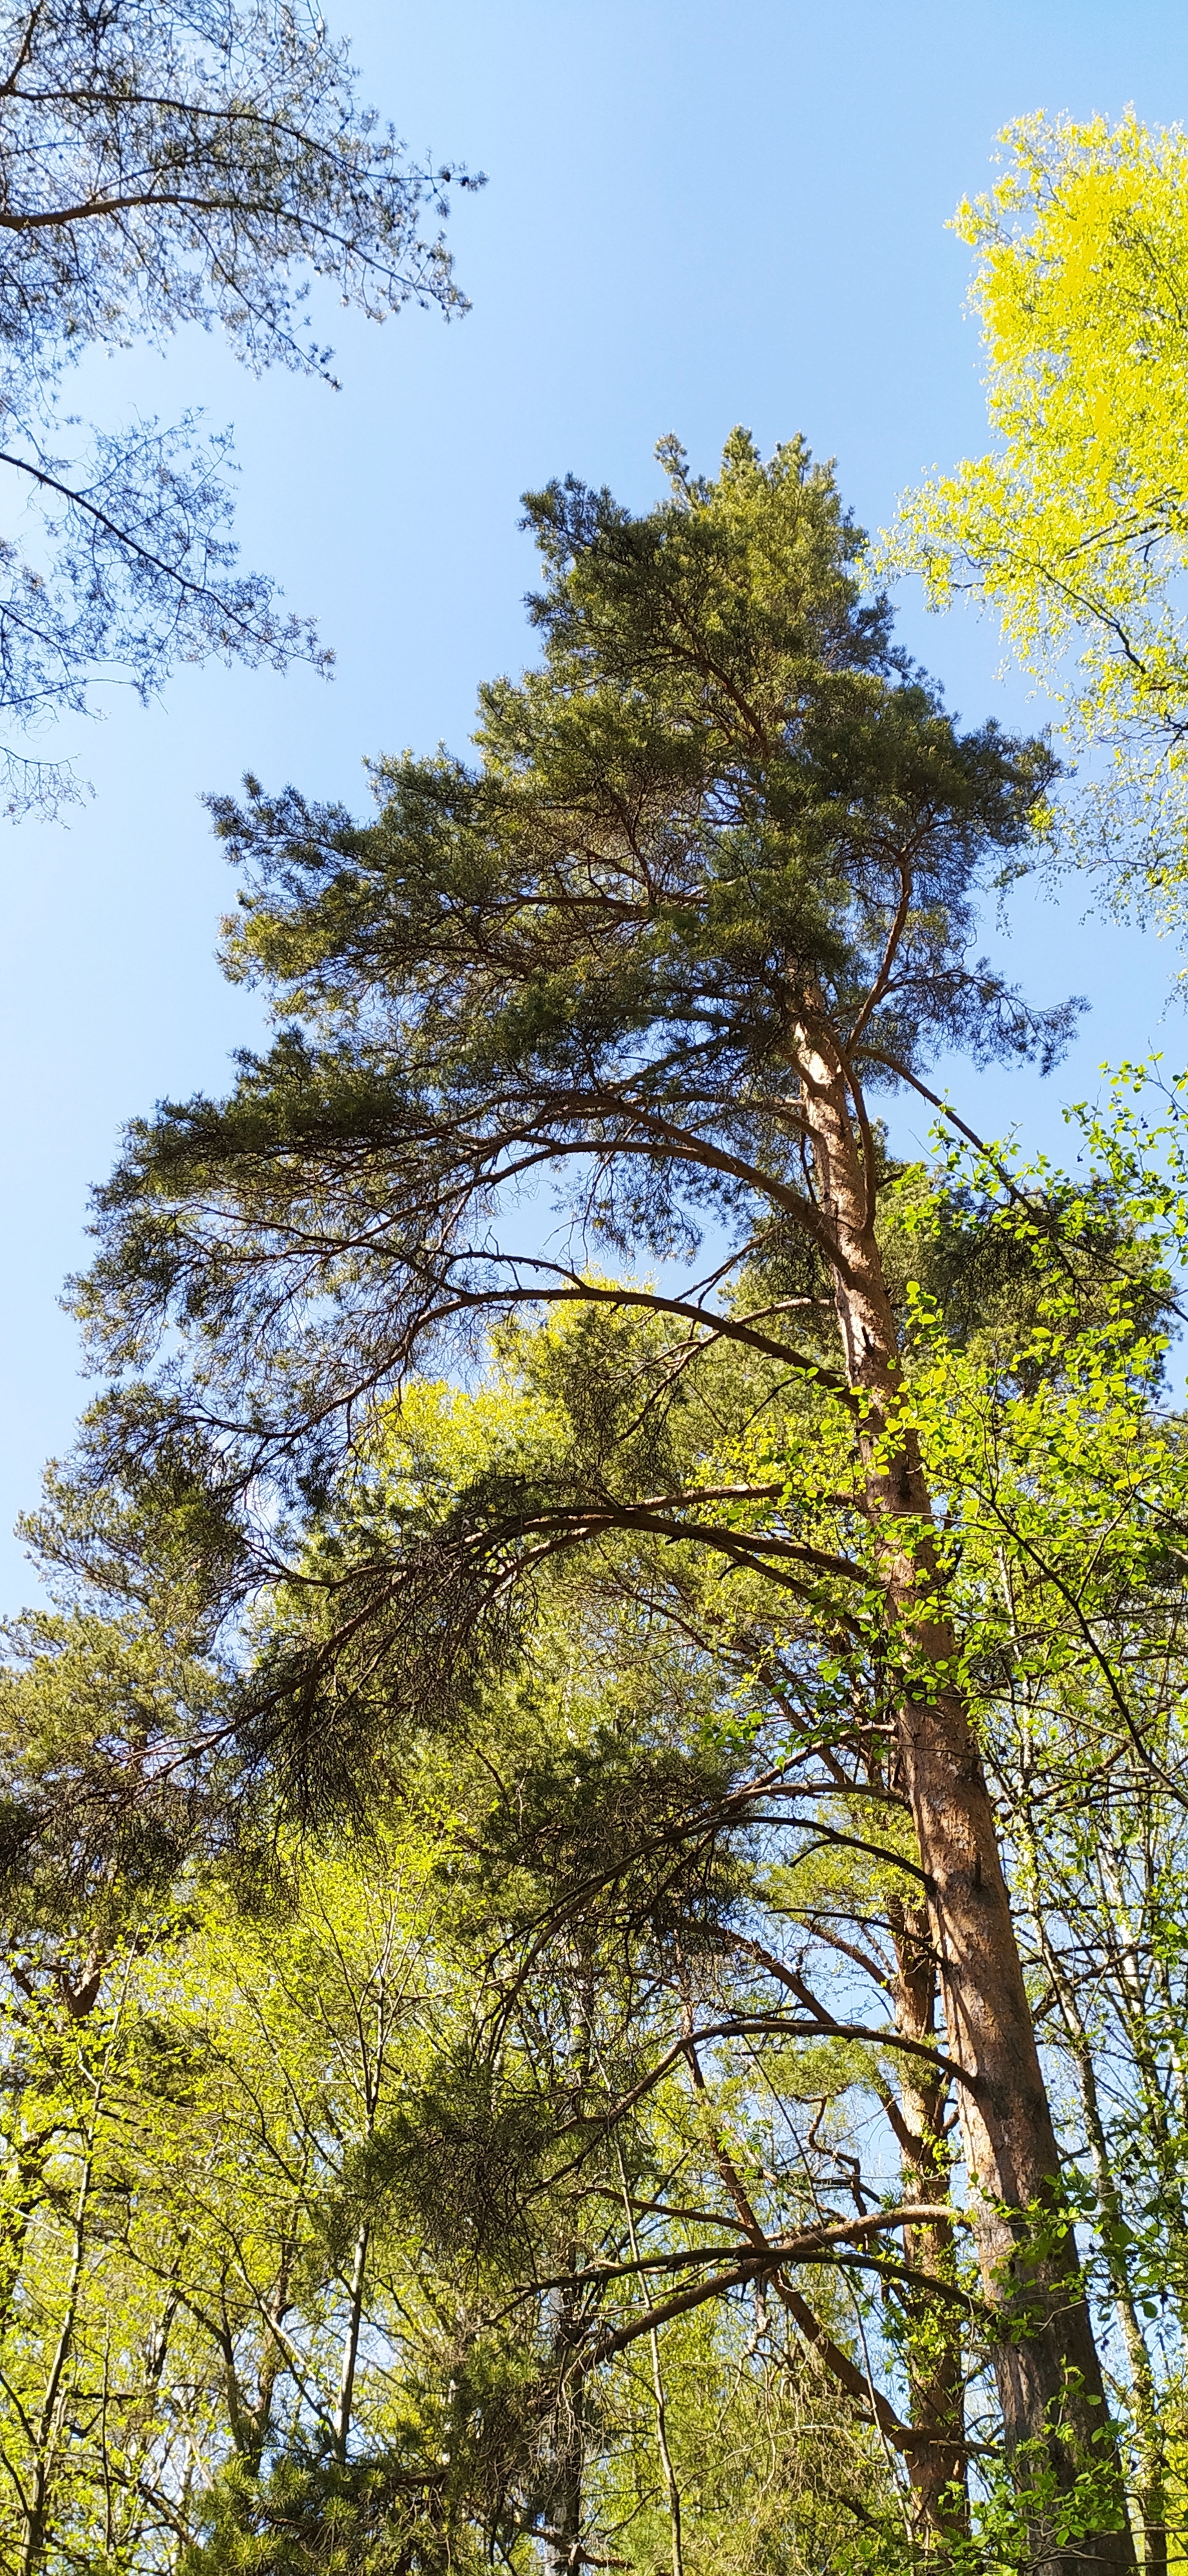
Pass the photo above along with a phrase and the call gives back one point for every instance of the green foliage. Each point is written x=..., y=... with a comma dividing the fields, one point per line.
x=1072, y=528
x=575, y=954
x=165, y=164
x=573, y=1639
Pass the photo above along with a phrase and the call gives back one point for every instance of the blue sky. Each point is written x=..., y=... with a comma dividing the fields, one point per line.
x=727, y=210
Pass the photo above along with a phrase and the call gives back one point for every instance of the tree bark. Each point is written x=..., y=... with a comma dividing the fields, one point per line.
x=1153, y=2479
x=933, y=2354
x=562, y=2481
x=1046, y=2364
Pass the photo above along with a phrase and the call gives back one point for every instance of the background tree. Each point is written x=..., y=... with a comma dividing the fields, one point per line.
x=194, y=161
x=1073, y=528
x=284, y=2233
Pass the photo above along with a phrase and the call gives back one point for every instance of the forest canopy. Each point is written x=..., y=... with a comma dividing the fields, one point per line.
x=562, y=1793
x=592, y=1823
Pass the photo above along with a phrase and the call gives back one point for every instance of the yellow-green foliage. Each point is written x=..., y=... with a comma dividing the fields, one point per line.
x=1074, y=528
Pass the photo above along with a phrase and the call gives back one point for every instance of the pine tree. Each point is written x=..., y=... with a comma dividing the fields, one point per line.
x=709, y=885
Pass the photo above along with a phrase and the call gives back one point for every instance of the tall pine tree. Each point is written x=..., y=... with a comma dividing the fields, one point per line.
x=709, y=884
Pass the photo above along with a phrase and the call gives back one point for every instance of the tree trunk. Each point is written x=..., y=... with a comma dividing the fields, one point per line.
x=933, y=2342
x=562, y=2482
x=1153, y=2479
x=1046, y=2364
x=1149, y=2436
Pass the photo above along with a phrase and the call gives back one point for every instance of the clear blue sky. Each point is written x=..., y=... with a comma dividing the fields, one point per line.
x=699, y=212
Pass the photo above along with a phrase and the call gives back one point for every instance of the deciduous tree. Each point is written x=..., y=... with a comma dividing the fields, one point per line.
x=166, y=162
x=1072, y=528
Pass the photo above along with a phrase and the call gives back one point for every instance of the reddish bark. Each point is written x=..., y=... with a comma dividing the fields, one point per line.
x=1046, y=2364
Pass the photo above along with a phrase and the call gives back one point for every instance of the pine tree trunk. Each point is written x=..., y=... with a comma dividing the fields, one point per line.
x=1046, y=2363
